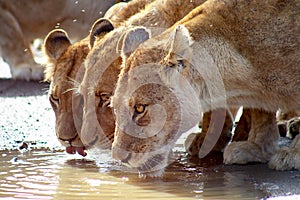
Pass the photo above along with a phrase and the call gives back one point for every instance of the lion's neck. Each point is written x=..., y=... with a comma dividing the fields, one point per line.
x=223, y=76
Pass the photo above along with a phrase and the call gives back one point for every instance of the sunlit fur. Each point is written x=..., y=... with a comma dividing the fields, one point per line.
x=103, y=63
x=252, y=45
x=64, y=74
x=65, y=69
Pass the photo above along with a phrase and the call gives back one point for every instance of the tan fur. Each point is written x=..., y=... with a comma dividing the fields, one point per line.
x=134, y=6
x=104, y=61
x=24, y=21
x=230, y=52
x=65, y=71
x=288, y=157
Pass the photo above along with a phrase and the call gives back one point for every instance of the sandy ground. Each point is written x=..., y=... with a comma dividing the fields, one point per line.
x=26, y=115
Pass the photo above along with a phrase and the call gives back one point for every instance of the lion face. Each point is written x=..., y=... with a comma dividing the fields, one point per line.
x=148, y=121
x=64, y=72
x=97, y=87
x=150, y=112
x=98, y=119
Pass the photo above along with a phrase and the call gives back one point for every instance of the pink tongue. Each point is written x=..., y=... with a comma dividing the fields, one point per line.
x=72, y=150
x=80, y=151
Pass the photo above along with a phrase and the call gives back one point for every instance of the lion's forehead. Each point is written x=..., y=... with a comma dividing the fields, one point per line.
x=104, y=51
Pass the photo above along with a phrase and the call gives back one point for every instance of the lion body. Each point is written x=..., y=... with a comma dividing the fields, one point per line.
x=232, y=53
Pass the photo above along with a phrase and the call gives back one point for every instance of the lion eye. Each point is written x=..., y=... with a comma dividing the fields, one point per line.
x=104, y=99
x=54, y=100
x=181, y=64
x=140, y=108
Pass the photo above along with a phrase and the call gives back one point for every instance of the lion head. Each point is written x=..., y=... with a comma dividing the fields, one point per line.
x=65, y=71
x=97, y=87
x=150, y=112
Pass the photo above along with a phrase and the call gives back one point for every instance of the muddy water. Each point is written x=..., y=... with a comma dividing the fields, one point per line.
x=45, y=171
x=45, y=174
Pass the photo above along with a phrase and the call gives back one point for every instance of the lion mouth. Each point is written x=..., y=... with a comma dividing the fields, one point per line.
x=74, y=145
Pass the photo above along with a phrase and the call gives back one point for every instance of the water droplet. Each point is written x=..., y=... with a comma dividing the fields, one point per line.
x=100, y=12
x=83, y=10
x=198, y=191
x=74, y=20
x=76, y=2
x=143, y=176
x=25, y=50
x=57, y=25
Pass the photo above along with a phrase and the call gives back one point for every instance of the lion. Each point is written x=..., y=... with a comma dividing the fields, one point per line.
x=64, y=65
x=103, y=65
x=65, y=68
x=223, y=53
x=24, y=21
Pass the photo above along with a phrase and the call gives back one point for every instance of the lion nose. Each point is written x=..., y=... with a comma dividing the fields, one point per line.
x=120, y=154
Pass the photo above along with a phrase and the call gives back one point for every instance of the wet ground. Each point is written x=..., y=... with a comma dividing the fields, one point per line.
x=45, y=171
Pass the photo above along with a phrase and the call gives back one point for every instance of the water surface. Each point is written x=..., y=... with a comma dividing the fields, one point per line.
x=47, y=174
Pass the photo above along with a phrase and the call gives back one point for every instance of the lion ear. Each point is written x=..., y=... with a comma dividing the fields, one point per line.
x=56, y=43
x=100, y=27
x=180, y=42
x=131, y=40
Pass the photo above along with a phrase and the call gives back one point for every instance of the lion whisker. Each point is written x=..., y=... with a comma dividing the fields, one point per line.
x=73, y=81
x=75, y=90
x=45, y=90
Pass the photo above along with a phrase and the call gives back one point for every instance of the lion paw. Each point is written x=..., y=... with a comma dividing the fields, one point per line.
x=287, y=158
x=242, y=153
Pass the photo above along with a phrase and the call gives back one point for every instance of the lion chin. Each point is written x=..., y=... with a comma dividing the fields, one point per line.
x=145, y=172
x=146, y=164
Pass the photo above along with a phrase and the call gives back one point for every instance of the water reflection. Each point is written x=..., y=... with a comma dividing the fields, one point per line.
x=44, y=174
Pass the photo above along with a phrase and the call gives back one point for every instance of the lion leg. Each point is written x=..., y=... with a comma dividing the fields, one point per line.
x=287, y=158
x=243, y=127
x=261, y=143
x=15, y=50
x=194, y=141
